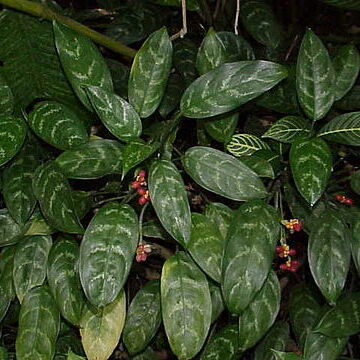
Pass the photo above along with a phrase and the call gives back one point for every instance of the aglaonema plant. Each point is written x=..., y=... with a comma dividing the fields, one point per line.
x=201, y=203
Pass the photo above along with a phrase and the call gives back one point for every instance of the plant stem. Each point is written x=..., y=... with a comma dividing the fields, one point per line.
x=44, y=12
x=110, y=199
x=141, y=218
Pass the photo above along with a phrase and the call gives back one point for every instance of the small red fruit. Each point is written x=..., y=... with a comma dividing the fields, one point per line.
x=292, y=252
x=340, y=197
x=141, y=191
x=279, y=249
x=135, y=184
x=293, y=269
x=348, y=201
x=283, y=267
x=297, y=226
x=142, y=200
x=142, y=174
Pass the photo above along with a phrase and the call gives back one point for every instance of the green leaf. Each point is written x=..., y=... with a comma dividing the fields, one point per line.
x=249, y=253
x=236, y=47
x=245, y=144
x=346, y=65
x=11, y=232
x=260, y=21
x=135, y=152
x=57, y=125
x=344, y=129
x=143, y=318
x=186, y=305
x=30, y=264
x=7, y=102
x=117, y=115
x=184, y=58
x=275, y=339
x=259, y=165
x=311, y=165
x=217, y=302
x=279, y=355
x=314, y=77
x=120, y=75
x=355, y=182
x=206, y=245
x=39, y=323
x=211, y=53
x=12, y=136
x=18, y=194
x=222, y=127
x=147, y=354
x=344, y=4
x=107, y=251
x=169, y=199
x=224, y=345
x=63, y=278
x=350, y=101
x=343, y=319
x=72, y=356
x=260, y=315
x=229, y=86
x=82, y=202
x=101, y=329
x=355, y=242
x=92, y=160
x=149, y=73
x=221, y=215
x=222, y=174
x=53, y=192
x=82, y=62
x=192, y=5
x=37, y=225
x=289, y=129
x=4, y=355
x=304, y=309
x=153, y=229
x=329, y=254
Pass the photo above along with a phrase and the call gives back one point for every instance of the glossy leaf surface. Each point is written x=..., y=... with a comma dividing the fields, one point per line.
x=11, y=231
x=222, y=127
x=221, y=215
x=260, y=166
x=245, y=144
x=7, y=101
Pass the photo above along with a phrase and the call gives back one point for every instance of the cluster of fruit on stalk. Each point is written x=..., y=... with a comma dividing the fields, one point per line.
x=140, y=186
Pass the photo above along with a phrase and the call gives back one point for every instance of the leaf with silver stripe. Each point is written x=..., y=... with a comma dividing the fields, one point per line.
x=118, y=116
x=169, y=199
x=143, y=318
x=260, y=166
x=288, y=129
x=221, y=128
x=72, y=356
x=311, y=165
x=57, y=125
x=53, y=192
x=279, y=355
x=314, y=77
x=329, y=254
x=249, y=252
x=223, y=345
x=206, y=245
x=107, y=251
x=221, y=215
x=186, y=305
x=260, y=315
x=229, y=86
x=344, y=129
x=7, y=100
x=12, y=136
x=37, y=225
x=149, y=73
x=222, y=174
x=82, y=62
x=236, y=47
x=92, y=160
x=245, y=144
x=100, y=329
x=63, y=278
x=11, y=231
x=30, y=263
x=217, y=301
x=39, y=323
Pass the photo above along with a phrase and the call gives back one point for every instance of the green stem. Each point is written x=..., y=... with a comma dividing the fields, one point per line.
x=141, y=218
x=44, y=12
x=110, y=199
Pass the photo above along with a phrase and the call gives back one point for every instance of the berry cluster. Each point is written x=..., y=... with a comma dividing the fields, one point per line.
x=290, y=265
x=142, y=252
x=343, y=199
x=293, y=224
x=140, y=186
x=284, y=251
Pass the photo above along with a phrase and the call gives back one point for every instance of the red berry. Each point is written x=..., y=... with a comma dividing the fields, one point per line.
x=292, y=252
x=294, y=263
x=142, y=200
x=283, y=267
x=340, y=197
x=297, y=226
x=141, y=191
x=135, y=184
x=279, y=249
x=348, y=201
x=293, y=269
x=142, y=174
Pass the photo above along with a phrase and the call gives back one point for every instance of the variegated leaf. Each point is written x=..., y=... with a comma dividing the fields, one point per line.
x=101, y=329
x=344, y=129
x=169, y=199
x=141, y=325
x=249, y=252
x=120, y=75
x=314, y=77
x=343, y=319
x=260, y=315
x=37, y=225
x=222, y=127
x=224, y=345
x=245, y=144
x=275, y=339
x=58, y=125
x=288, y=129
x=236, y=47
x=186, y=305
x=221, y=215
x=53, y=192
x=30, y=263
x=149, y=73
x=154, y=229
x=119, y=117
x=72, y=356
x=63, y=278
x=355, y=182
x=11, y=232
x=12, y=136
x=280, y=355
x=311, y=165
x=4, y=355
x=206, y=245
x=346, y=65
x=7, y=101
x=355, y=241
x=222, y=174
x=147, y=354
x=107, y=251
x=82, y=62
x=260, y=21
x=329, y=254
x=92, y=160
x=217, y=302
x=260, y=166
x=229, y=86
x=39, y=323
x=211, y=53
